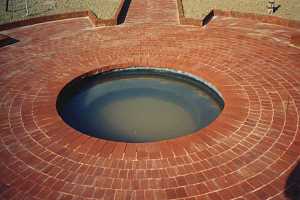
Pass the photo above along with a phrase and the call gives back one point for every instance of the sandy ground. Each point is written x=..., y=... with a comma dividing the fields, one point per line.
x=104, y=9
x=289, y=9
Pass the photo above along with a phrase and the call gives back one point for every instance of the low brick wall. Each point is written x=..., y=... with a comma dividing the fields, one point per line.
x=261, y=18
x=217, y=12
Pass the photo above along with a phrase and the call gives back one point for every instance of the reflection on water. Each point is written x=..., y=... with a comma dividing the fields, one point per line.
x=137, y=107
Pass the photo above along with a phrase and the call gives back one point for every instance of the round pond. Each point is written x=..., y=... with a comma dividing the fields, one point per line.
x=139, y=104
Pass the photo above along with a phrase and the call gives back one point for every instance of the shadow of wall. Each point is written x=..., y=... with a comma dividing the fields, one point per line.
x=292, y=186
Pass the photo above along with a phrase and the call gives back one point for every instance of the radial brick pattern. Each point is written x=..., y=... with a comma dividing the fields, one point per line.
x=250, y=152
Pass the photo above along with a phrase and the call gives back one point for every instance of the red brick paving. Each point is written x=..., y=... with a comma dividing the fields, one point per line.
x=248, y=153
x=296, y=39
x=149, y=11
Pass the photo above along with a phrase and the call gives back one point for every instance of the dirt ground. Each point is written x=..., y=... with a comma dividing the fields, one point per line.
x=289, y=9
x=104, y=9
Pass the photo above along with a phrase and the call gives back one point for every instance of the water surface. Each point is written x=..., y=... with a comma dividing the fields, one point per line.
x=140, y=106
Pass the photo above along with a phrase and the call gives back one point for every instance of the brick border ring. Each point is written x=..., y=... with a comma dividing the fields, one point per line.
x=204, y=136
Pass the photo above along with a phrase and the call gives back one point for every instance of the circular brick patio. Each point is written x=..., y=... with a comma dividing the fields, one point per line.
x=250, y=152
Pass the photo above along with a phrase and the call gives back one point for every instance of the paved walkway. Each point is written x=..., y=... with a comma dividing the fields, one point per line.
x=149, y=11
x=250, y=152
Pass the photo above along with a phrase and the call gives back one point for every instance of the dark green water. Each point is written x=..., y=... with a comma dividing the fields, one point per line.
x=138, y=106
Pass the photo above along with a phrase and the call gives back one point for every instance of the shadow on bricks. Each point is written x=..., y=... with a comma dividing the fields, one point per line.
x=5, y=40
x=123, y=13
x=292, y=185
